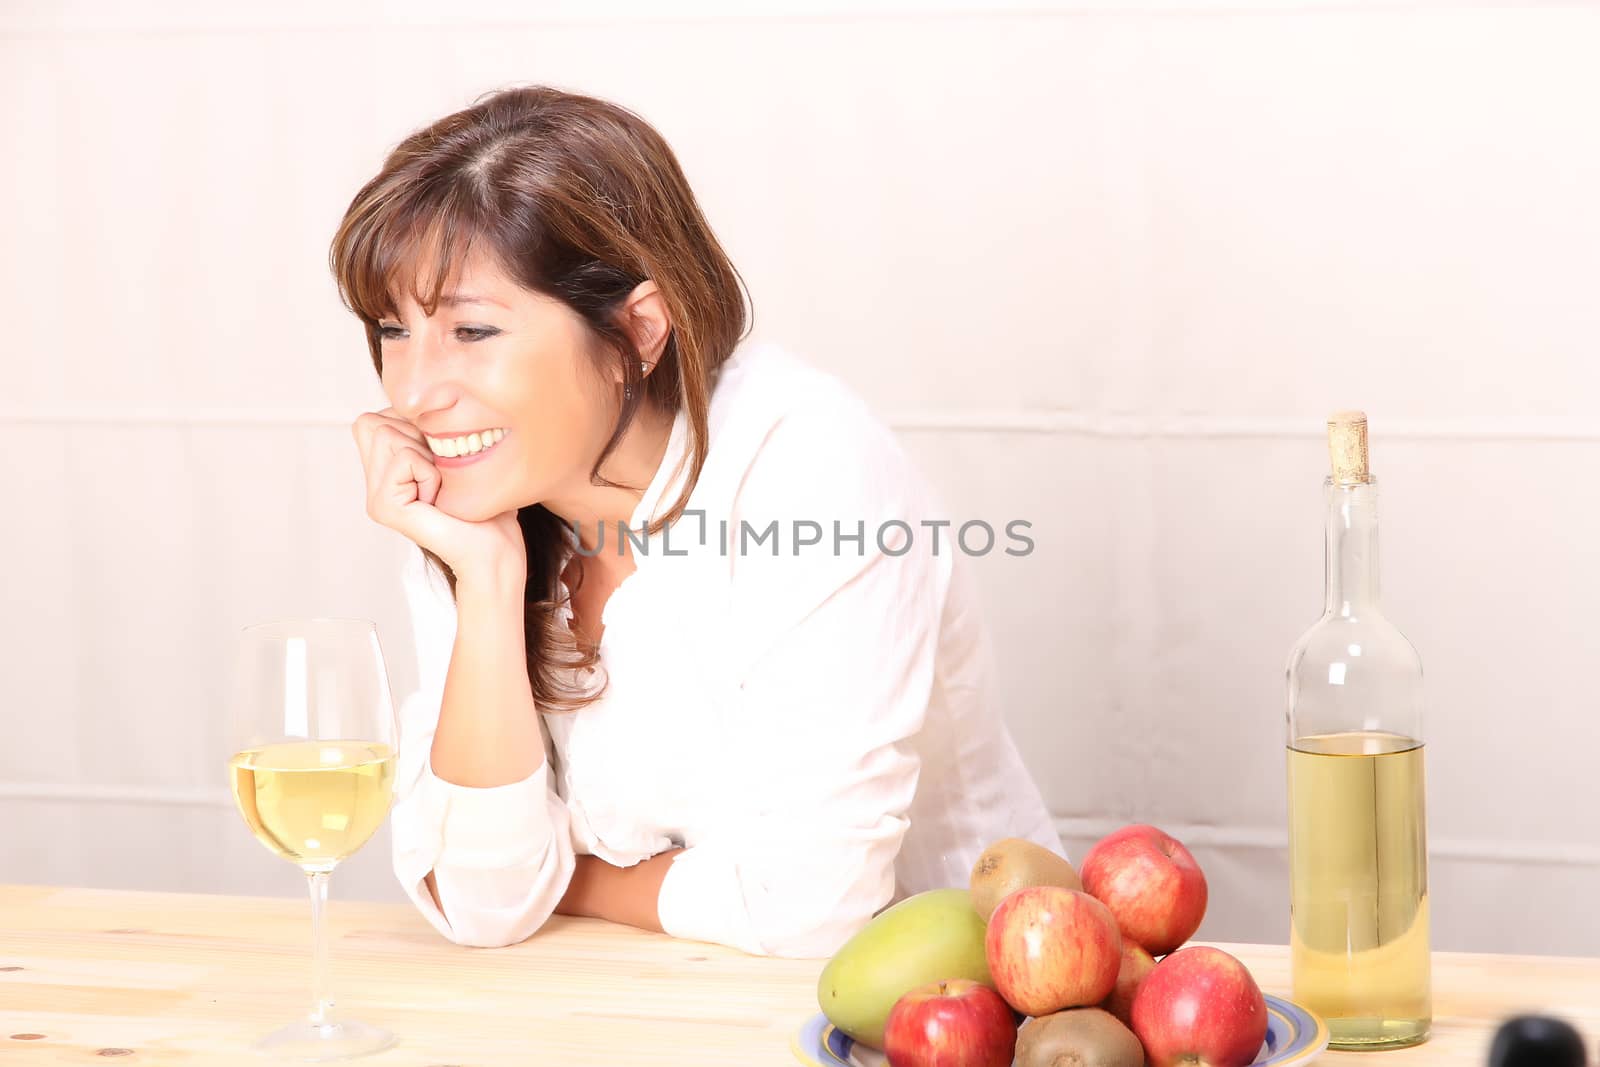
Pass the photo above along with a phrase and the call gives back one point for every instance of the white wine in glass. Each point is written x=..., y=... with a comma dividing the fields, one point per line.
x=313, y=775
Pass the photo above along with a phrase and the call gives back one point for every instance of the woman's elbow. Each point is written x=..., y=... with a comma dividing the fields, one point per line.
x=493, y=909
x=489, y=929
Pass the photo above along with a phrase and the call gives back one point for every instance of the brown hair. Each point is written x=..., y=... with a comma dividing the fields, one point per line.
x=581, y=200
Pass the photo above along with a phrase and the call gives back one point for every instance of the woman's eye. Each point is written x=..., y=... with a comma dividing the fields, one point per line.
x=465, y=333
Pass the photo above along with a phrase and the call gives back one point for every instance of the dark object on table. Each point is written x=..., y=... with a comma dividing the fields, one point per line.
x=1537, y=1041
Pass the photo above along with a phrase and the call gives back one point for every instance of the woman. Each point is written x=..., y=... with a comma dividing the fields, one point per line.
x=692, y=656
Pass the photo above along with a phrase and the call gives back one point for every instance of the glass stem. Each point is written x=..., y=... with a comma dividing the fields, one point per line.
x=321, y=1006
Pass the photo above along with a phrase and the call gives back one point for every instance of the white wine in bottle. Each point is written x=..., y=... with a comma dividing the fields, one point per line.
x=1358, y=862
x=314, y=802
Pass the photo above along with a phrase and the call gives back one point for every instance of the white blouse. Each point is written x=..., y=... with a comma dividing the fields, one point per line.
x=814, y=723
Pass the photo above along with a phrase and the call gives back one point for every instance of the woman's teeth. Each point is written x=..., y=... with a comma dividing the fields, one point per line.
x=473, y=443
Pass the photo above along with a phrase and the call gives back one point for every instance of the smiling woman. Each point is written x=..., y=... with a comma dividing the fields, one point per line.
x=769, y=747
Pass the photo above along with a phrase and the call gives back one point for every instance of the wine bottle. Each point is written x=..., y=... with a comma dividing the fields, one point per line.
x=1358, y=864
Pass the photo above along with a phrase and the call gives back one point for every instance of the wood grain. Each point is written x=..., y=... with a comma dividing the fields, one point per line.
x=175, y=980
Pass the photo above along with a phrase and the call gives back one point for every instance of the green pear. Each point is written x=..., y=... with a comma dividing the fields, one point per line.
x=925, y=938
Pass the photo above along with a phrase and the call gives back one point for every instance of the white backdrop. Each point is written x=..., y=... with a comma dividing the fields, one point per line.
x=1104, y=267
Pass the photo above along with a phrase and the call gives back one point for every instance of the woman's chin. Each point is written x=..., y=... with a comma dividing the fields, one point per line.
x=465, y=508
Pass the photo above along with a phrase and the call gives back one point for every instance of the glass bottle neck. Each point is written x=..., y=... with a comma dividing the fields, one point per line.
x=1352, y=559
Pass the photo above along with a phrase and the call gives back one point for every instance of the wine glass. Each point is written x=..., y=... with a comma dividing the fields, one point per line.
x=313, y=774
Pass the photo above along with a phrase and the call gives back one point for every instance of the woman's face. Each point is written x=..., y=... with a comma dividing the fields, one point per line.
x=502, y=382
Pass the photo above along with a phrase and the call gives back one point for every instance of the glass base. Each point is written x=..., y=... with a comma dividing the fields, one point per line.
x=1364, y=1035
x=341, y=1039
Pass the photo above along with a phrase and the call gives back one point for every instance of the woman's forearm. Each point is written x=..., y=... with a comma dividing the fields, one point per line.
x=488, y=735
x=620, y=894
x=488, y=731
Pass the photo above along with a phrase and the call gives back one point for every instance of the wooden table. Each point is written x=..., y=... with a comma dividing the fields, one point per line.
x=95, y=976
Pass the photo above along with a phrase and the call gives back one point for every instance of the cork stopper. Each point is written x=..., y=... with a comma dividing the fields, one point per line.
x=1347, y=447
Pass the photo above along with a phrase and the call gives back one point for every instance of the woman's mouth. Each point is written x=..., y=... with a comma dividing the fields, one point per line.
x=462, y=449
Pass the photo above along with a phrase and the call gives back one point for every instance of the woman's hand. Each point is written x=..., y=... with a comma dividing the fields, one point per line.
x=403, y=483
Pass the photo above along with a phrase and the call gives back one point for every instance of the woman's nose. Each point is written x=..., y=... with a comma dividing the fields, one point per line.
x=419, y=379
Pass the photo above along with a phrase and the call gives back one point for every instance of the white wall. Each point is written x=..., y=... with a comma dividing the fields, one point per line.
x=1105, y=267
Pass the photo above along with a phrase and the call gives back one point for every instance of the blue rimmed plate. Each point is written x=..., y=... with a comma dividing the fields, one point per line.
x=1294, y=1036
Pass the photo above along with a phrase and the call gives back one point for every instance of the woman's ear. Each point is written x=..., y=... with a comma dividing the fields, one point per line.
x=647, y=320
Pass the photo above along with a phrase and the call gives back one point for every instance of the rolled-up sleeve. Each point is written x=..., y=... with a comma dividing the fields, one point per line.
x=835, y=658
x=501, y=856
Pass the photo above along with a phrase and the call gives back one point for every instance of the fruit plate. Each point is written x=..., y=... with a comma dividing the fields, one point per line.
x=1294, y=1036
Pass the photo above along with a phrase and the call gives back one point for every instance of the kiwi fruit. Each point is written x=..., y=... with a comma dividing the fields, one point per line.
x=1013, y=864
x=1078, y=1037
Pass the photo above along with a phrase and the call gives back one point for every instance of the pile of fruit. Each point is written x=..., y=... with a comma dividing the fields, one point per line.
x=944, y=978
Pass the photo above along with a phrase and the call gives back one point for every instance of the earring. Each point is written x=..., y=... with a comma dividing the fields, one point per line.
x=627, y=390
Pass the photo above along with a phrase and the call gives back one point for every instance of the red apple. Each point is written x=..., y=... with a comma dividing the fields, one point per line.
x=1151, y=884
x=1051, y=948
x=1135, y=968
x=1200, y=1008
x=954, y=1023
